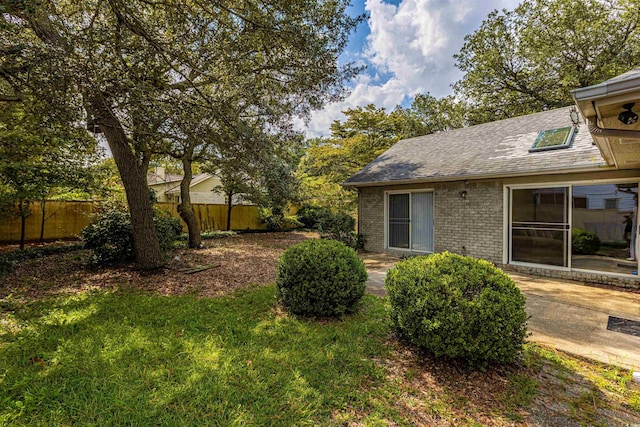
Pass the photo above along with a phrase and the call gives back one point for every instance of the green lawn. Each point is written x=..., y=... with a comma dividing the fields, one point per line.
x=133, y=358
x=137, y=359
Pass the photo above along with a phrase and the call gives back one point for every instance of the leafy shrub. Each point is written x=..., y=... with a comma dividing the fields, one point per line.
x=276, y=220
x=459, y=307
x=584, y=242
x=311, y=216
x=167, y=227
x=320, y=278
x=340, y=226
x=110, y=236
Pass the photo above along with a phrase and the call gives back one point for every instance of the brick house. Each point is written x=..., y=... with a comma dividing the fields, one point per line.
x=518, y=192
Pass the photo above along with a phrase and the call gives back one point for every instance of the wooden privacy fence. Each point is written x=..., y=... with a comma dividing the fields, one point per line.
x=65, y=220
x=214, y=217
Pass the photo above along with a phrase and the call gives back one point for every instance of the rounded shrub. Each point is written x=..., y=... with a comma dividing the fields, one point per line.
x=321, y=278
x=110, y=237
x=459, y=307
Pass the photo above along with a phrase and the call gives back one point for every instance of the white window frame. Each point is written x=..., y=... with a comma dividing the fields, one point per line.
x=508, y=200
x=386, y=219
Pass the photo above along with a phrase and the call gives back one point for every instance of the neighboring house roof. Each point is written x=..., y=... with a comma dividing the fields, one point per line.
x=153, y=178
x=490, y=150
x=197, y=178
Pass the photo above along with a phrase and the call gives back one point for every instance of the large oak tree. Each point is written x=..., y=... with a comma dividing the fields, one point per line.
x=130, y=65
x=527, y=60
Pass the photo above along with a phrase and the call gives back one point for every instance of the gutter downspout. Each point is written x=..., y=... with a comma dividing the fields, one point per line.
x=606, y=134
x=596, y=130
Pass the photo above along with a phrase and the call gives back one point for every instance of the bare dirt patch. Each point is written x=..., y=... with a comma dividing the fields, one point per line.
x=239, y=261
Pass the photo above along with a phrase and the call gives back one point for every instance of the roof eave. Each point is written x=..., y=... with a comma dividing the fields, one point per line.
x=448, y=178
x=607, y=89
x=595, y=104
x=617, y=90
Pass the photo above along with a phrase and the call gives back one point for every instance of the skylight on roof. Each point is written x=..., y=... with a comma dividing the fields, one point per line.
x=553, y=139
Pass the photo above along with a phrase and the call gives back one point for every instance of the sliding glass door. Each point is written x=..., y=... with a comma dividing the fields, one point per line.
x=540, y=225
x=583, y=227
x=410, y=221
x=604, y=224
x=399, y=221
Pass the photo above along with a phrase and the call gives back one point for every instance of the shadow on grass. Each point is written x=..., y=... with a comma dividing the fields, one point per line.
x=138, y=359
x=133, y=358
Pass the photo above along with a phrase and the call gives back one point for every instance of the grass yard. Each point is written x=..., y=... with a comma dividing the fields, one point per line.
x=87, y=354
x=127, y=358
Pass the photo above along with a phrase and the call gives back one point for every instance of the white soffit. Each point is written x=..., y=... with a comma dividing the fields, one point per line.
x=601, y=104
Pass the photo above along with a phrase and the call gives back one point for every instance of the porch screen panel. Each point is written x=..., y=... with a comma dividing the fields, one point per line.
x=422, y=222
x=399, y=221
x=540, y=226
x=604, y=224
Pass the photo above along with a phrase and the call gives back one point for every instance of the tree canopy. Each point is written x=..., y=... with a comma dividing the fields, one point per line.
x=366, y=133
x=527, y=60
x=40, y=156
x=141, y=72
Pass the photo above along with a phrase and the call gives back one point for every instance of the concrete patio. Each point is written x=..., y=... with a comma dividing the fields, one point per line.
x=567, y=315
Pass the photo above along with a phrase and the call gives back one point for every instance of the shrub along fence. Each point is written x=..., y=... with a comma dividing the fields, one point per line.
x=66, y=219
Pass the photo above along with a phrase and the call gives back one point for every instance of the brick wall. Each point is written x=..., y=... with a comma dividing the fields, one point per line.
x=371, y=217
x=598, y=278
x=471, y=225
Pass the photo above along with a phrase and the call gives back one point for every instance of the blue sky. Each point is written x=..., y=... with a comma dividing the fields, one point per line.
x=408, y=48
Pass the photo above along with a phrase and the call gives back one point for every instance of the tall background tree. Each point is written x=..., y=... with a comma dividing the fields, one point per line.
x=127, y=63
x=39, y=157
x=366, y=133
x=527, y=60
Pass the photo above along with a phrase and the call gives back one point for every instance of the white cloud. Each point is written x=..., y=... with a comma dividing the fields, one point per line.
x=413, y=45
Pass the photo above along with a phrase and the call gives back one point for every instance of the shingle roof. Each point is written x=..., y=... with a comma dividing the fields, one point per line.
x=496, y=149
x=154, y=178
x=197, y=179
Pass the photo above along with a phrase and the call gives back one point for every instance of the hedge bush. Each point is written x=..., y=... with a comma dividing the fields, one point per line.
x=331, y=225
x=311, y=216
x=584, y=242
x=110, y=236
x=322, y=278
x=458, y=307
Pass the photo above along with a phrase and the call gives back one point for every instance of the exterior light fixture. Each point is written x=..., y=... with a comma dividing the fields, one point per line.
x=463, y=194
x=628, y=117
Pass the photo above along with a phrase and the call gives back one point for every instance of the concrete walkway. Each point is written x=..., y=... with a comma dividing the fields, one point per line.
x=563, y=314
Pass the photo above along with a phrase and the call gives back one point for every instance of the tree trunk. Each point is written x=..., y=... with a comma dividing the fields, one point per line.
x=185, y=208
x=43, y=211
x=23, y=210
x=145, y=238
x=229, y=207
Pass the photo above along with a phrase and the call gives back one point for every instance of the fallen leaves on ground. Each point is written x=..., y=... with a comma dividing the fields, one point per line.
x=240, y=261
